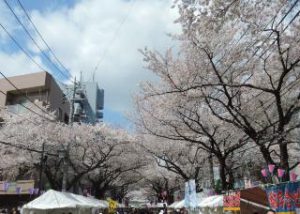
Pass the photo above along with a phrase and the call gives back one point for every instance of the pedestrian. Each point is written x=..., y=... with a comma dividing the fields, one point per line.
x=14, y=211
x=183, y=211
x=270, y=211
x=165, y=208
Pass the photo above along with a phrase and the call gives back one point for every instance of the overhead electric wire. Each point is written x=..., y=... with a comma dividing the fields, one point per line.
x=21, y=48
x=23, y=94
x=297, y=14
x=33, y=40
x=114, y=37
x=246, y=31
x=269, y=36
x=285, y=28
x=29, y=109
x=22, y=147
x=14, y=113
x=40, y=35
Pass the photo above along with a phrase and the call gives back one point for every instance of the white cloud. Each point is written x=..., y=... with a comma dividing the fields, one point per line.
x=80, y=34
x=17, y=63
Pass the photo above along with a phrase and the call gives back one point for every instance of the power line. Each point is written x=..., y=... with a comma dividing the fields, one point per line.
x=31, y=58
x=40, y=35
x=33, y=40
x=285, y=28
x=29, y=109
x=296, y=15
x=22, y=147
x=22, y=93
x=269, y=36
x=14, y=113
x=114, y=37
x=21, y=48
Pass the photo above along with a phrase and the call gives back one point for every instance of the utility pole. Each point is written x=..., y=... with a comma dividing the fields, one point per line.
x=42, y=167
x=71, y=119
x=62, y=155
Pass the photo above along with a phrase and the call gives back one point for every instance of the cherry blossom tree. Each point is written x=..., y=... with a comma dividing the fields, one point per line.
x=238, y=61
x=99, y=156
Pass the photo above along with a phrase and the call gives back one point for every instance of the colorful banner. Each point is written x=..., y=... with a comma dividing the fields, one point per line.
x=231, y=201
x=284, y=198
x=16, y=187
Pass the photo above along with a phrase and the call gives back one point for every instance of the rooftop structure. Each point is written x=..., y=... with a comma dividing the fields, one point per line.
x=88, y=103
x=41, y=88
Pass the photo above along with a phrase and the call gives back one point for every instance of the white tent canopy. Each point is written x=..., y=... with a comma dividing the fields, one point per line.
x=212, y=201
x=90, y=201
x=63, y=202
x=177, y=204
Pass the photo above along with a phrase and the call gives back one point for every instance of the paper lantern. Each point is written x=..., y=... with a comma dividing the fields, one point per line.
x=36, y=191
x=264, y=172
x=6, y=186
x=31, y=191
x=18, y=190
x=280, y=172
x=271, y=168
x=293, y=176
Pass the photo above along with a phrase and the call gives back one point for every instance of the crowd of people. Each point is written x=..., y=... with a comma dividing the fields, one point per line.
x=11, y=211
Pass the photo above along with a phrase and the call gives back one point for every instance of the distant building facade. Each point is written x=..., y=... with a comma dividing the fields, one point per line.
x=41, y=88
x=88, y=103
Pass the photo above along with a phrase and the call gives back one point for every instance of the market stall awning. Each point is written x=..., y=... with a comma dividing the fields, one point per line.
x=59, y=200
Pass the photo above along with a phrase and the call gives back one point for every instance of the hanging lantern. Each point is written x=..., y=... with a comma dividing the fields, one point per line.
x=31, y=191
x=271, y=168
x=6, y=186
x=264, y=173
x=18, y=190
x=280, y=172
x=36, y=191
x=293, y=176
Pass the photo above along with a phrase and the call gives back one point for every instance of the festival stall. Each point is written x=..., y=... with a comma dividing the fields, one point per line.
x=62, y=202
x=247, y=201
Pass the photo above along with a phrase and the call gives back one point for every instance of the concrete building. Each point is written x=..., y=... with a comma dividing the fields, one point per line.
x=88, y=103
x=41, y=88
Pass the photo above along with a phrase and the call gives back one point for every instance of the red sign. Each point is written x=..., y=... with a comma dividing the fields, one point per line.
x=231, y=201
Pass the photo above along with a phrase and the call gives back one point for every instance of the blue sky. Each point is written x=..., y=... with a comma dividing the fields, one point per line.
x=84, y=33
x=48, y=5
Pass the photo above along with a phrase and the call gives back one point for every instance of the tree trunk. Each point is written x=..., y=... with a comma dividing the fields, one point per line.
x=266, y=154
x=211, y=171
x=284, y=161
x=99, y=192
x=222, y=163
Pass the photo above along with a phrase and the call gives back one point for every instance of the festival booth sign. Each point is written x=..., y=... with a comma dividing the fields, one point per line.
x=231, y=201
x=14, y=194
x=112, y=205
x=284, y=198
